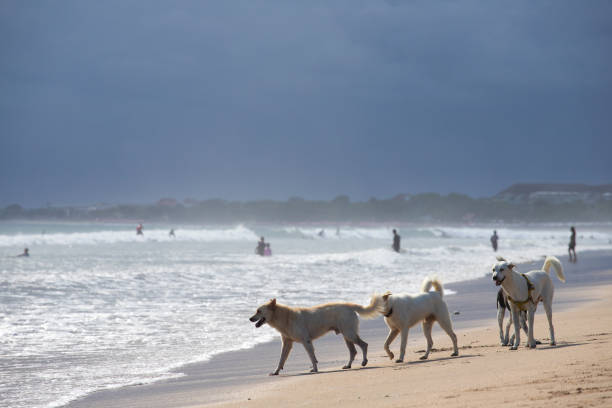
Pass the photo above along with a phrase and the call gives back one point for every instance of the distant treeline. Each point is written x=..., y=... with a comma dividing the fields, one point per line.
x=430, y=207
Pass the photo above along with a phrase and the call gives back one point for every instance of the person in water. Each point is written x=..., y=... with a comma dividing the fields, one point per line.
x=261, y=246
x=396, y=241
x=494, y=239
x=26, y=253
x=321, y=233
x=267, y=250
x=171, y=233
x=572, y=246
x=139, y=230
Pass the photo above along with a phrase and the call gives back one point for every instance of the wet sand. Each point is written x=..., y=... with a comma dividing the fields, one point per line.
x=578, y=370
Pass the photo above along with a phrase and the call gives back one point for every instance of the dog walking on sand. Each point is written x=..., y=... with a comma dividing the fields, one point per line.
x=404, y=311
x=304, y=325
x=525, y=291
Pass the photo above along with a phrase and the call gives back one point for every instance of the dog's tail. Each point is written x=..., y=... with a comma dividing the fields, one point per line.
x=435, y=282
x=372, y=310
x=555, y=263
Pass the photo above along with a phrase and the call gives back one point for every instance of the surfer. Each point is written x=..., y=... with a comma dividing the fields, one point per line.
x=494, y=239
x=321, y=233
x=26, y=253
x=396, y=241
x=261, y=246
x=139, y=230
x=171, y=233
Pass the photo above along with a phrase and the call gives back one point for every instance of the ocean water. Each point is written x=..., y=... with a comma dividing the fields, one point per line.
x=95, y=306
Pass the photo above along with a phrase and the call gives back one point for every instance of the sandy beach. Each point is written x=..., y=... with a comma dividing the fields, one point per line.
x=577, y=372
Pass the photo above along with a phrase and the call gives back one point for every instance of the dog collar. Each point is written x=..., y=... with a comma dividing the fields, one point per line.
x=389, y=313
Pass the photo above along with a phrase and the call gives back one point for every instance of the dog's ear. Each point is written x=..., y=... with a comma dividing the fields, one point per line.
x=272, y=303
x=386, y=296
x=500, y=258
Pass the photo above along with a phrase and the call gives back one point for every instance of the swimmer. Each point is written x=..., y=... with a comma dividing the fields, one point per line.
x=267, y=250
x=261, y=245
x=26, y=253
x=171, y=233
x=139, y=230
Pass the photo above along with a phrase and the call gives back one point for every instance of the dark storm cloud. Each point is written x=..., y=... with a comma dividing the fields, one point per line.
x=130, y=100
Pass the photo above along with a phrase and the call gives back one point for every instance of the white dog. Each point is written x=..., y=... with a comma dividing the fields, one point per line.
x=305, y=324
x=404, y=311
x=525, y=290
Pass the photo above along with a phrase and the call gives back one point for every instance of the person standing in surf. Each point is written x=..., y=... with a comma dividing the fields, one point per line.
x=494, y=239
x=396, y=241
x=572, y=246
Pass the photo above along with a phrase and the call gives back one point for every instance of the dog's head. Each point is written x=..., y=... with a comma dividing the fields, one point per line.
x=264, y=313
x=501, y=269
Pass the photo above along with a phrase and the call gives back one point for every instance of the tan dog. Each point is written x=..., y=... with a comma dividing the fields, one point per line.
x=303, y=325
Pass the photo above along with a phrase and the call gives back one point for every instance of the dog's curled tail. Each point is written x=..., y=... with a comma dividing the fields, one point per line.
x=435, y=282
x=555, y=263
x=372, y=310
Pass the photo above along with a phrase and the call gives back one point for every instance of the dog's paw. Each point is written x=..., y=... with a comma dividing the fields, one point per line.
x=399, y=360
x=314, y=370
x=553, y=343
x=514, y=348
x=364, y=362
x=273, y=373
x=423, y=357
x=455, y=354
x=391, y=355
x=346, y=367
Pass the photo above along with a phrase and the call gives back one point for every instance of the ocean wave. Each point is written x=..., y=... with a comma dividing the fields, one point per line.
x=238, y=233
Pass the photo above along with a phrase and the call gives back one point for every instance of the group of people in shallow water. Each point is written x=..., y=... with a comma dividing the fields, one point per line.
x=263, y=248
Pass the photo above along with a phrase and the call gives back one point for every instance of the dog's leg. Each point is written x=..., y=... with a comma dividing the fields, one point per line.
x=352, y=353
x=517, y=328
x=524, y=322
x=364, y=350
x=392, y=335
x=548, y=310
x=501, y=312
x=310, y=350
x=427, y=325
x=509, y=340
x=530, y=317
x=287, y=345
x=445, y=322
x=403, y=344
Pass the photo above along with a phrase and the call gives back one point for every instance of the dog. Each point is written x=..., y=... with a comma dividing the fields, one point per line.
x=404, y=311
x=502, y=305
x=525, y=291
x=304, y=325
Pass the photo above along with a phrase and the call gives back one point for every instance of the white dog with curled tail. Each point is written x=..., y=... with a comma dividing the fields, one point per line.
x=525, y=291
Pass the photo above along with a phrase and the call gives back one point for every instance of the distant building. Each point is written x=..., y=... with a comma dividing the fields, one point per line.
x=555, y=193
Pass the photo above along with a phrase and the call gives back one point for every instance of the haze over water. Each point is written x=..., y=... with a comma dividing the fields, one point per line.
x=96, y=306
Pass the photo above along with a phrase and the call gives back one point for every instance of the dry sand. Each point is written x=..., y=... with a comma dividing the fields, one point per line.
x=577, y=372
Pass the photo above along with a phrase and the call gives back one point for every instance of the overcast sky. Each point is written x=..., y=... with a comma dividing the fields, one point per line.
x=130, y=101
